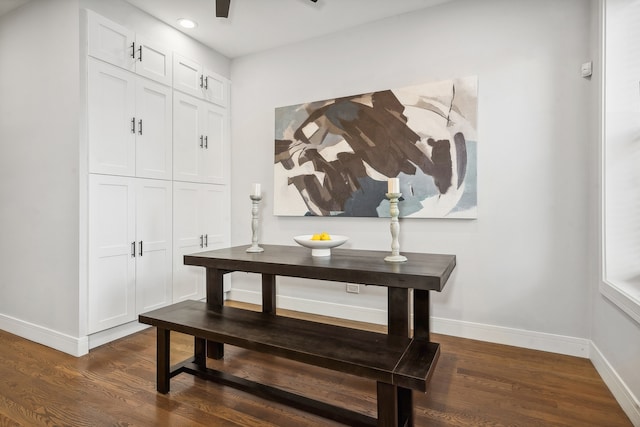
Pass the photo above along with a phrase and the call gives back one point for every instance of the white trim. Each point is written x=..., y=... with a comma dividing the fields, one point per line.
x=561, y=344
x=628, y=402
x=45, y=336
x=108, y=335
x=622, y=299
x=341, y=311
x=509, y=336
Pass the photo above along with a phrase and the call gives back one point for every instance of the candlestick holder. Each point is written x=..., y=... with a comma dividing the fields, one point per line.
x=395, y=229
x=255, y=202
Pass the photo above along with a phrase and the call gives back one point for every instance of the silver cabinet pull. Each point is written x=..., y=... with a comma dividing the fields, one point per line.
x=133, y=50
x=133, y=125
x=206, y=82
x=201, y=80
x=140, y=53
x=133, y=249
x=206, y=240
x=202, y=240
x=206, y=142
x=140, y=127
x=201, y=141
x=140, y=247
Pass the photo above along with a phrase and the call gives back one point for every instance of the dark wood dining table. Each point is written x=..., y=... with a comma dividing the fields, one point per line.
x=421, y=273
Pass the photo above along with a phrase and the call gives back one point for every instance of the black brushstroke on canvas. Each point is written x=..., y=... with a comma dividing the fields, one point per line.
x=376, y=129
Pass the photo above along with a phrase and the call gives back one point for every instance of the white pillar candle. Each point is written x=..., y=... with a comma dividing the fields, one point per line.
x=393, y=185
x=255, y=190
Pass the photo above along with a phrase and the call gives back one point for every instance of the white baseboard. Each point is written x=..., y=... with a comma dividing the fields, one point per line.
x=561, y=344
x=341, y=311
x=45, y=336
x=629, y=403
x=497, y=334
x=104, y=337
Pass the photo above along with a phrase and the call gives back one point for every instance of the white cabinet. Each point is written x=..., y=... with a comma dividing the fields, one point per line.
x=120, y=46
x=201, y=222
x=200, y=140
x=130, y=248
x=130, y=123
x=193, y=78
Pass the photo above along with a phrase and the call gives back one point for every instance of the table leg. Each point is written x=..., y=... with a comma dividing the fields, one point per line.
x=405, y=407
x=163, y=345
x=215, y=299
x=421, y=314
x=387, y=405
x=269, y=293
x=398, y=311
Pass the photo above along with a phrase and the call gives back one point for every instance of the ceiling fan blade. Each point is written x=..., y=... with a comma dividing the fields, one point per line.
x=222, y=8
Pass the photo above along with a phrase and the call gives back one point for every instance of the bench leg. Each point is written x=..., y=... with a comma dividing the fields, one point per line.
x=162, y=360
x=200, y=352
x=395, y=406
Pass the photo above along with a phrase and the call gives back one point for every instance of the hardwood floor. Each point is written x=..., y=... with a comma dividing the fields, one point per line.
x=475, y=384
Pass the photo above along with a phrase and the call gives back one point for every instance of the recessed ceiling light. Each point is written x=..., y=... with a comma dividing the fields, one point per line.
x=187, y=23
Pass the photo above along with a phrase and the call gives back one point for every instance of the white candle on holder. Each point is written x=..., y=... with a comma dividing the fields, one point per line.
x=255, y=190
x=393, y=185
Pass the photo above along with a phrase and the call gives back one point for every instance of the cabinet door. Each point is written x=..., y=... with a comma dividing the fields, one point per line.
x=187, y=76
x=153, y=61
x=111, y=105
x=154, y=129
x=187, y=133
x=111, y=258
x=188, y=238
x=214, y=156
x=154, y=224
x=110, y=42
x=216, y=88
x=216, y=220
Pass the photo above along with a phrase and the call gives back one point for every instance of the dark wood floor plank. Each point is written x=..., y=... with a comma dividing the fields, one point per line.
x=474, y=384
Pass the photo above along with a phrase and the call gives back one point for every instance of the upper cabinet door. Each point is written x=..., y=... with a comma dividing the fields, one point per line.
x=188, y=137
x=153, y=61
x=214, y=156
x=153, y=130
x=187, y=76
x=216, y=88
x=111, y=42
x=112, y=125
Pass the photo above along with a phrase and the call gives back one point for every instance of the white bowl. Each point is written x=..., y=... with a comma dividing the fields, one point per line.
x=320, y=247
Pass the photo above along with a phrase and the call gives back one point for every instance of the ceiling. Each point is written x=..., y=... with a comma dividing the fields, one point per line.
x=258, y=25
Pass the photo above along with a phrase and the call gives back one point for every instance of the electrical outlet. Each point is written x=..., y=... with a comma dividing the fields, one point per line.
x=353, y=288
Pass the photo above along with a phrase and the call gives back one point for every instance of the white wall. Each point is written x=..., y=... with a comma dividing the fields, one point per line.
x=39, y=167
x=522, y=263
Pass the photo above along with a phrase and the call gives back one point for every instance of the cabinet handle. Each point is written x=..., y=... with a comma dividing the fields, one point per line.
x=140, y=247
x=206, y=82
x=140, y=53
x=201, y=80
x=140, y=127
x=202, y=240
x=133, y=50
x=201, y=141
x=206, y=142
x=133, y=125
x=133, y=249
x=206, y=240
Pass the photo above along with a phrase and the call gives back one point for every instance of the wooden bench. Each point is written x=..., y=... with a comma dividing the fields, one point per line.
x=398, y=364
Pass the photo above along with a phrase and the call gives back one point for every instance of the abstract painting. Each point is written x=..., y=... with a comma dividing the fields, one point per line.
x=334, y=157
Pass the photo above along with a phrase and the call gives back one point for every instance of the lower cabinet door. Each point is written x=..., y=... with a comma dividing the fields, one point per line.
x=112, y=262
